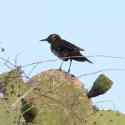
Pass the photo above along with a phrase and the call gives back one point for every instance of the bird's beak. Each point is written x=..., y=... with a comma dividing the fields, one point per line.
x=43, y=40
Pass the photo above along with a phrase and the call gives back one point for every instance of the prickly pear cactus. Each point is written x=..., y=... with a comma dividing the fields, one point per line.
x=106, y=118
x=100, y=86
x=60, y=99
x=12, y=86
x=54, y=98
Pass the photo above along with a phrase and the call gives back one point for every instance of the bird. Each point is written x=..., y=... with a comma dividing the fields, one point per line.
x=65, y=50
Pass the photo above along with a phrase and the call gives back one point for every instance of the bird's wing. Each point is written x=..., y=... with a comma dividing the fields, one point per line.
x=71, y=46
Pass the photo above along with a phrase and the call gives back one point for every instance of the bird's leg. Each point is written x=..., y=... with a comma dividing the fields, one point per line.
x=60, y=67
x=70, y=65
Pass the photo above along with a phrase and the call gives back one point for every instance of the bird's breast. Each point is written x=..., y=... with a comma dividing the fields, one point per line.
x=60, y=53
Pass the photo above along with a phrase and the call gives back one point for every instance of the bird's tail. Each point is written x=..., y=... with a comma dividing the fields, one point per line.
x=88, y=60
x=82, y=59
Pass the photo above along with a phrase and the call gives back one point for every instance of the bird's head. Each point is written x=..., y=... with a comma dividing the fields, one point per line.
x=52, y=38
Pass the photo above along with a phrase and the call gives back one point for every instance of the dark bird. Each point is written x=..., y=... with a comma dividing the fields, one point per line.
x=65, y=50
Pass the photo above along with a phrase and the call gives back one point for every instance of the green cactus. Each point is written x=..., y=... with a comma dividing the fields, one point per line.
x=61, y=99
x=58, y=98
x=12, y=83
x=100, y=86
x=8, y=116
x=12, y=86
x=106, y=118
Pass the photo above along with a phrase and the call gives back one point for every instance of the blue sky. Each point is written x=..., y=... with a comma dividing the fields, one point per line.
x=95, y=25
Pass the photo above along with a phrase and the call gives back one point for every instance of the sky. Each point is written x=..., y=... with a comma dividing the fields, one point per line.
x=98, y=26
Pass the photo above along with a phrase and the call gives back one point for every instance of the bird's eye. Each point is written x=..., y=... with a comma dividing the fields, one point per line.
x=53, y=37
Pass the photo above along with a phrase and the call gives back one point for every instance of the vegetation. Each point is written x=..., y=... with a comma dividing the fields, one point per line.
x=51, y=98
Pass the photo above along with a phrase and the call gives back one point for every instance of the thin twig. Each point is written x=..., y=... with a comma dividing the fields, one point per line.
x=54, y=60
x=102, y=70
x=104, y=56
